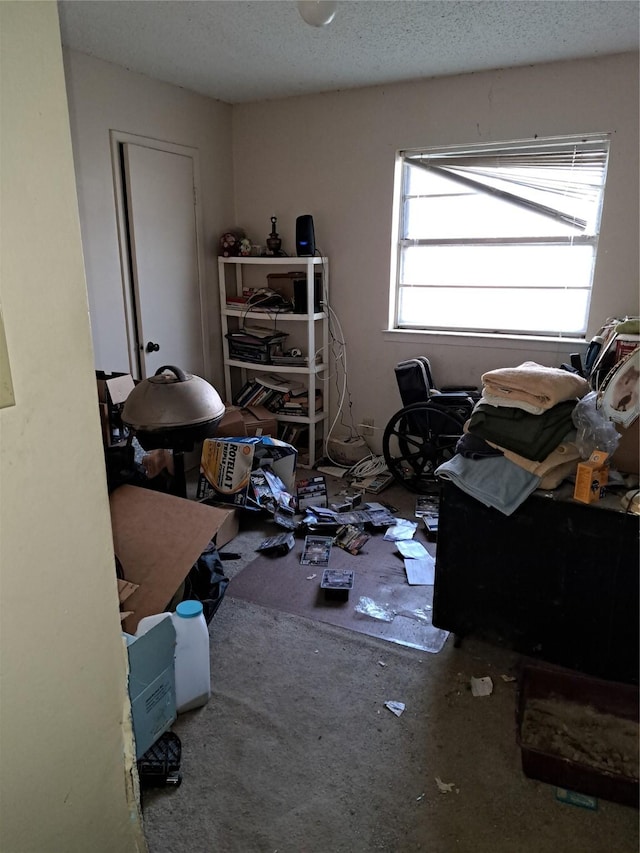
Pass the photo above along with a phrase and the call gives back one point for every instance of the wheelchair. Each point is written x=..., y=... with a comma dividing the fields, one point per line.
x=425, y=431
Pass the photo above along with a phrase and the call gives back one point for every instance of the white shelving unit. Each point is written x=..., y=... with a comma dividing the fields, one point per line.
x=315, y=332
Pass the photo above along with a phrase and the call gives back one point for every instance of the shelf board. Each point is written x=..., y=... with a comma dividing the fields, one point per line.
x=300, y=419
x=293, y=261
x=271, y=315
x=274, y=368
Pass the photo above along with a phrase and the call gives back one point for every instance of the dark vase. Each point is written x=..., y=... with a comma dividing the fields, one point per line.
x=274, y=243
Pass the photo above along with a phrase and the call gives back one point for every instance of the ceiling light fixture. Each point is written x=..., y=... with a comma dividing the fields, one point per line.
x=317, y=13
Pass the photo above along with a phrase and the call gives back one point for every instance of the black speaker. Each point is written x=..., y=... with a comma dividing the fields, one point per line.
x=305, y=236
x=300, y=294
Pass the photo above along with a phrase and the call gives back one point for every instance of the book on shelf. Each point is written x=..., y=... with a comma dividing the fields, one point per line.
x=294, y=434
x=279, y=383
x=290, y=360
x=263, y=333
x=261, y=397
x=274, y=401
x=298, y=391
x=254, y=394
x=299, y=405
x=244, y=394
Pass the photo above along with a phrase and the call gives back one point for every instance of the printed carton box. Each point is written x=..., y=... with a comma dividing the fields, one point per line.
x=591, y=477
x=227, y=464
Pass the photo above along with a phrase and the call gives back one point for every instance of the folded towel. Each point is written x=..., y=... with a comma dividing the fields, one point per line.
x=494, y=481
x=509, y=402
x=533, y=383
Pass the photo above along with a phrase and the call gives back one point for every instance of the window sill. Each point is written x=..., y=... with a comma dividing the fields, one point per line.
x=486, y=341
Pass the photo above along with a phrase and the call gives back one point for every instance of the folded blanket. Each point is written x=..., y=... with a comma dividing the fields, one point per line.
x=532, y=436
x=556, y=467
x=474, y=447
x=533, y=383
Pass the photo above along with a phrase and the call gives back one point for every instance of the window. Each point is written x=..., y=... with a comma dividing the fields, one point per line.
x=499, y=239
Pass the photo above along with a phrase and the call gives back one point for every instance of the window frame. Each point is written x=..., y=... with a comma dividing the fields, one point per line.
x=539, y=147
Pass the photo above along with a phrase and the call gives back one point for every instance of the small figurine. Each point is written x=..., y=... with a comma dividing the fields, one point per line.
x=274, y=243
x=230, y=244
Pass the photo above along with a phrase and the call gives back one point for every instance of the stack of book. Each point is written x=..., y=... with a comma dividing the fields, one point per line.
x=298, y=404
x=268, y=391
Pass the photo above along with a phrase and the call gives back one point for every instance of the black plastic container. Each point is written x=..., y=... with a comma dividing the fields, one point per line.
x=160, y=765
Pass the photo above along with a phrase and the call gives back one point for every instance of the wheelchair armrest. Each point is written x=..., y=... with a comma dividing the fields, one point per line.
x=450, y=398
x=470, y=390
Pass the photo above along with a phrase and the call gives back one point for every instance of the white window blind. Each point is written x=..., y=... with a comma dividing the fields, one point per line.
x=500, y=238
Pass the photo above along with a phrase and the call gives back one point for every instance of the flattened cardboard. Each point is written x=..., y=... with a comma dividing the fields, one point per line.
x=259, y=421
x=158, y=538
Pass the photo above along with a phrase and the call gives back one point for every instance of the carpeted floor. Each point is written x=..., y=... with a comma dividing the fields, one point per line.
x=297, y=753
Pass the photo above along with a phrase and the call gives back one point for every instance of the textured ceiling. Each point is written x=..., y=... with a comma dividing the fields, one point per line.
x=239, y=52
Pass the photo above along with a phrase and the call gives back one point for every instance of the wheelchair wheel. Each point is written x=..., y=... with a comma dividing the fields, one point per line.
x=416, y=440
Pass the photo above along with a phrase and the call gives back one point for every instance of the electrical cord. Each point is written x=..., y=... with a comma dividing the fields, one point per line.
x=368, y=467
x=339, y=352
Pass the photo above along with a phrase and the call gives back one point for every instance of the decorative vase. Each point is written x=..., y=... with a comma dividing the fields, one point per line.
x=274, y=243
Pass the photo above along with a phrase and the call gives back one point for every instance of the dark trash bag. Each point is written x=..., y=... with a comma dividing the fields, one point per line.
x=206, y=582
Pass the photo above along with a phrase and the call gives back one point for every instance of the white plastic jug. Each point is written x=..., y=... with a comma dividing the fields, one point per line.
x=192, y=662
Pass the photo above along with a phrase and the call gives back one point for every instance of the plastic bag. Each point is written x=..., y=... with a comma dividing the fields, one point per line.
x=368, y=607
x=206, y=582
x=594, y=430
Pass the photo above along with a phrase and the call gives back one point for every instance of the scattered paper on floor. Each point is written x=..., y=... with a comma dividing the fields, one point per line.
x=482, y=686
x=395, y=707
x=412, y=548
x=420, y=571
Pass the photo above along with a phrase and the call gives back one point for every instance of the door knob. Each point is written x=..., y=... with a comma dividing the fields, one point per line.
x=151, y=347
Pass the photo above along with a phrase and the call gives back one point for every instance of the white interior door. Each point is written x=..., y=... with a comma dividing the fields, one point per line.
x=159, y=189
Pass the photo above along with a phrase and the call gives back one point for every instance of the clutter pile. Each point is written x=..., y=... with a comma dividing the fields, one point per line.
x=520, y=436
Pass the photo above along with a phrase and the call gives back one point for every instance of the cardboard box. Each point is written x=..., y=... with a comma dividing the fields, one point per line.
x=240, y=422
x=152, y=689
x=227, y=464
x=113, y=390
x=125, y=590
x=156, y=461
x=158, y=538
x=591, y=477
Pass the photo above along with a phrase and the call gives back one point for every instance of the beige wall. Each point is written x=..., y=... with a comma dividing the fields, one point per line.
x=104, y=97
x=65, y=742
x=333, y=155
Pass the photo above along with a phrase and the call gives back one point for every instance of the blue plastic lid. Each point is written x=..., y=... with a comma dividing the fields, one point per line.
x=189, y=609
